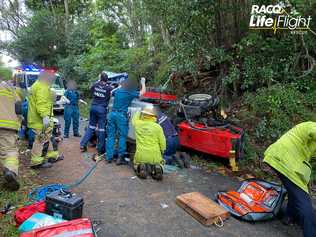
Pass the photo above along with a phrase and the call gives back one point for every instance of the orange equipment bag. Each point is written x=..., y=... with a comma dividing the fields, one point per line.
x=255, y=200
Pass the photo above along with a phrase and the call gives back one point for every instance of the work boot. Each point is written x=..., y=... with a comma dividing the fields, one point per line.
x=157, y=172
x=59, y=158
x=108, y=161
x=11, y=180
x=83, y=149
x=142, y=171
x=288, y=221
x=186, y=160
x=121, y=161
x=179, y=161
x=44, y=165
x=77, y=135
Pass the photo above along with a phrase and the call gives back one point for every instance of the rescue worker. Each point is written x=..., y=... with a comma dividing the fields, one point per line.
x=118, y=119
x=101, y=93
x=40, y=111
x=71, y=113
x=289, y=157
x=50, y=147
x=172, y=142
x=150, y=144
x=9, y=125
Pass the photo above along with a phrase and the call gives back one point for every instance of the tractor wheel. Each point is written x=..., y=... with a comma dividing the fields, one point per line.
x=204, y=101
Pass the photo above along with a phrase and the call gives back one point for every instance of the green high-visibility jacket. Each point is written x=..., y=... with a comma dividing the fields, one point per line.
x=40, y=104
x=150, y=140
x=290, y=155
x=8, y=97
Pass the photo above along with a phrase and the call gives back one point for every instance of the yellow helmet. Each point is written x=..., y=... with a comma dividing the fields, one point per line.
x=149, y=110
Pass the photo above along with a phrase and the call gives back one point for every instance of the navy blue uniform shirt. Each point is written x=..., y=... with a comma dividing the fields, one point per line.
x=101, y=94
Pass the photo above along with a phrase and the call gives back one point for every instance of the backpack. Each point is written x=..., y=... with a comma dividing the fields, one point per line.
x=255, y=200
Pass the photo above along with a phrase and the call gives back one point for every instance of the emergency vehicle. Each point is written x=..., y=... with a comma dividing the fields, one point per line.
x=26, y=75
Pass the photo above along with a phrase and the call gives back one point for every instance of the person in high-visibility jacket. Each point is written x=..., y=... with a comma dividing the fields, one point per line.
x=40, y=111
x=150, y=144
x=289, y=157
x=9, y=125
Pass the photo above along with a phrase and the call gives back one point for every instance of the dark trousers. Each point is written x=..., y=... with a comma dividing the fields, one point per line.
x=97, y=119
x=300, y=207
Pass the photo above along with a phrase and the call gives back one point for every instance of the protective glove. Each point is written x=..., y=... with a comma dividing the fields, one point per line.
x=46, y=122
x=83, y=102
x=142, y=80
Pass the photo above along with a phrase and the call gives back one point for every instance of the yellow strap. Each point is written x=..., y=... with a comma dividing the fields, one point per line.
x=6, y=94
x=11, y=161
x=9, y=124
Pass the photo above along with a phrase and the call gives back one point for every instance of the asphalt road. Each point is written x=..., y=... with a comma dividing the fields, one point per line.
x=124, y=205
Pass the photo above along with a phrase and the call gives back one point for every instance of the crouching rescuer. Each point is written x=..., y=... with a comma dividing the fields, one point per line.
x=150, y=144
x=289, y=157
x=9, y=125
x=40, y=111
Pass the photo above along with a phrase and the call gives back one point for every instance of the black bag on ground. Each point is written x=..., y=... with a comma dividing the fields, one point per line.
x=64, y=204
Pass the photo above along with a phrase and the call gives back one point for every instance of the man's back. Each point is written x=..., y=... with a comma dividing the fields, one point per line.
x=101, y=93
x=150, y=140
x=123, y=98
x=40, y=104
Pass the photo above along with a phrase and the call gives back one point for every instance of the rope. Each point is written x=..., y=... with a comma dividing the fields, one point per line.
x=41, y=192
x=219, y=222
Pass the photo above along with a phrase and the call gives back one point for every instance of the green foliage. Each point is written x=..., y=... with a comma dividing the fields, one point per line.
x=279, y=108
x=5, y=73
x=42, y=40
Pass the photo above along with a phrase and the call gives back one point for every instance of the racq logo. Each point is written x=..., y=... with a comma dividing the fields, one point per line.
x=275, y=17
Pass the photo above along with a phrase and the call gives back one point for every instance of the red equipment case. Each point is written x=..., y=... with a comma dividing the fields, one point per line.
x=23, y=213
x=211, y=140
x=79, y=228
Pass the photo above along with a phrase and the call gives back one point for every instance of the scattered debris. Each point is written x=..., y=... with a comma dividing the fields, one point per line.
x=164, y=205
x=168, y=169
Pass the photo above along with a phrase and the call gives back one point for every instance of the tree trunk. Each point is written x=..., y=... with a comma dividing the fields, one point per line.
x=66, y=16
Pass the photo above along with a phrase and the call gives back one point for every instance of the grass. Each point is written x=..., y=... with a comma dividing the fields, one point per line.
x=84, y=109
x=17, y=199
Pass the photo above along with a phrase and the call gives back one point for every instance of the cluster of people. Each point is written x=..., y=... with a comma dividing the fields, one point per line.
x=42, y=142
x=111, y=128
x=156, y=137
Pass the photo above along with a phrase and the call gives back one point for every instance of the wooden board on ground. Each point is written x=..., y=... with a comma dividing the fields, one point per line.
x=206, y=211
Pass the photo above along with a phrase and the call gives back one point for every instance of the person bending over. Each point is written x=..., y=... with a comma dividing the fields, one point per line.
x=289, y=157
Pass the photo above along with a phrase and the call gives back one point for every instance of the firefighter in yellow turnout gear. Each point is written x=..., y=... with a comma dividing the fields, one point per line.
x=40, y=111
x=9, y=125
x=150, y=144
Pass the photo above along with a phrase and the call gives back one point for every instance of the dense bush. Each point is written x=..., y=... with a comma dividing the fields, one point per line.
x=278, y=108
x=5, y=73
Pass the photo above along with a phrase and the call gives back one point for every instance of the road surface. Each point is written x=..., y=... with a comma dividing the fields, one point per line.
x=124, y=205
